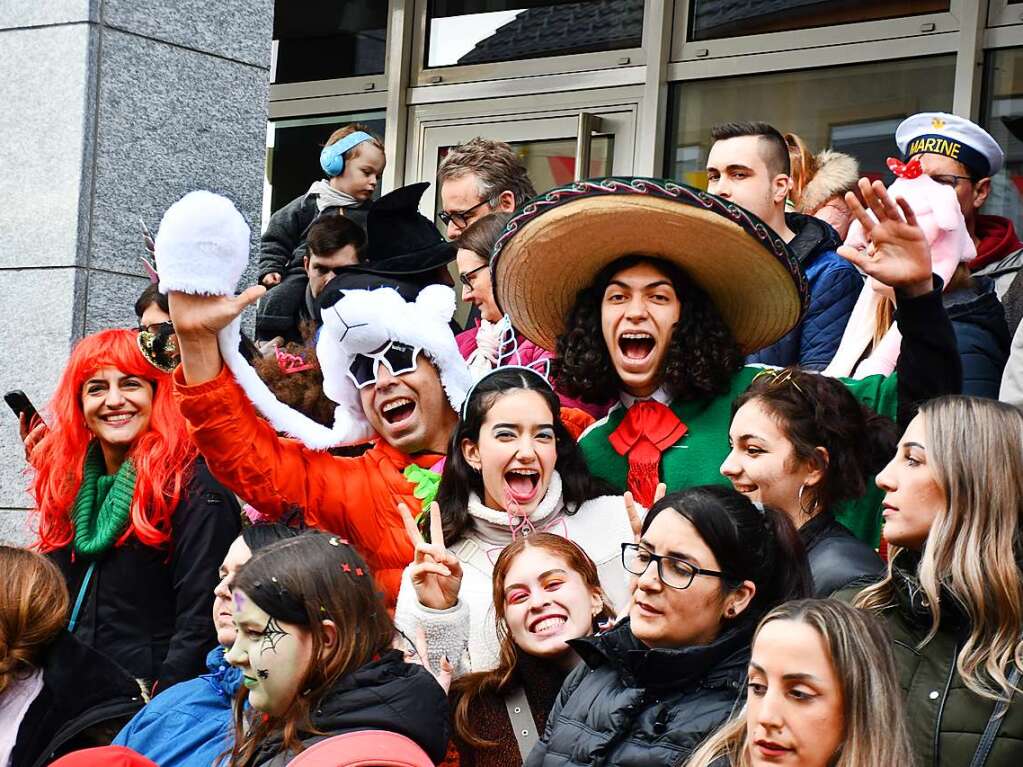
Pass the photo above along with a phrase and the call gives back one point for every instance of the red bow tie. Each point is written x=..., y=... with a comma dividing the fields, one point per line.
x=647, y=430
x=911, y=169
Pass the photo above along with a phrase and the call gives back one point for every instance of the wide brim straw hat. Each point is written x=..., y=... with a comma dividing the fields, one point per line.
x=556, y=244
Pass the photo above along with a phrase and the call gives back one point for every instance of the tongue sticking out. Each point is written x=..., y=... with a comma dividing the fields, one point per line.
x=636, y=348
x=521, y=487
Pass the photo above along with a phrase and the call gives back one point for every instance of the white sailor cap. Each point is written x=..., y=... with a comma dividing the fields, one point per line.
x=951, y=136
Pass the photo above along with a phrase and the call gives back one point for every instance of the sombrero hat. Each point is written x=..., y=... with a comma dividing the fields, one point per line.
x=556, y=244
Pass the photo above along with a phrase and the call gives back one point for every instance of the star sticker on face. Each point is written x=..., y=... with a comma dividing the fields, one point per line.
x=346, y=567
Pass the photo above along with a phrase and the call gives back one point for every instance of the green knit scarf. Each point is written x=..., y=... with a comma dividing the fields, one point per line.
x=103, y=504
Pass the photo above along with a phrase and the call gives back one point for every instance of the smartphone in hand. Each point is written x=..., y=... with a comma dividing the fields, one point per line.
x=19, y=402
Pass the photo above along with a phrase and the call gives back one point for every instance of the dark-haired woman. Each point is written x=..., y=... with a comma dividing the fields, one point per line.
x=708, y=566
x=314, y=647
x=665, y=315
x=512, y=469
x=546, y=593
x=801, y=443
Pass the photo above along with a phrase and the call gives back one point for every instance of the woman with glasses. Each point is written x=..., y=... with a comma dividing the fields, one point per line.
x=492, y=342
x=708, y=566
x=512, y=470
x=130, y=513
x=801, y=443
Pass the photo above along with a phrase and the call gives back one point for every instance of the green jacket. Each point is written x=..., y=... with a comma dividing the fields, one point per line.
x=697, y=457
x=945, y=718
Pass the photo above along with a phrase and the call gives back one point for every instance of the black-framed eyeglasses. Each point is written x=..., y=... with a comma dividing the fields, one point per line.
x=674, y=573
x=158, y=328
x=461, y=218
x=950, y=179
x=398, y=357
x=466, y=277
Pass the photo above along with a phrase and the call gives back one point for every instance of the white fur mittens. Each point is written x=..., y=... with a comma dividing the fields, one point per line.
x=202, y=246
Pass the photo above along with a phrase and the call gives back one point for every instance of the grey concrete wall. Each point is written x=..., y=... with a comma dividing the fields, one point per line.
x=112, y=110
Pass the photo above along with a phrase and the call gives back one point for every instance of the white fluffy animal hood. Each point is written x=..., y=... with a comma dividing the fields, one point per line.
x=203, y=247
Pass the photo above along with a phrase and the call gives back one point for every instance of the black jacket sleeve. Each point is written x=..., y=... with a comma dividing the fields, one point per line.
x=284, y=234
x=929, y=364
x=206, y=522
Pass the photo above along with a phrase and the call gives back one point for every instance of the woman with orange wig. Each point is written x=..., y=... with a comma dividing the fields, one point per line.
x=129, y=512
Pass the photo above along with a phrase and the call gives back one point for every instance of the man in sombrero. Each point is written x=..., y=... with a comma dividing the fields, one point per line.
x=657, y=291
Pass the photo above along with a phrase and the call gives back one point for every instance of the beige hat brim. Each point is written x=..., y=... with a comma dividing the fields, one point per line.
x=544, y=261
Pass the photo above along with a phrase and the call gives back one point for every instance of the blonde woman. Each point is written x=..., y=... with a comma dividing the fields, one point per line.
x=822, y=693
x=953, y=595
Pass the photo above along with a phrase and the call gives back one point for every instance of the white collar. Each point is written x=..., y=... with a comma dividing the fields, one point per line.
x=660, y=395
x=495, y=521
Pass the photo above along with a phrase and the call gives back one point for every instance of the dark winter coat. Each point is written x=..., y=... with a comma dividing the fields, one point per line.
x=149, y=608
x=835, y=284
x=282, y=250
x=631, y=706
x=945, y=718
x=86, y=698
x=836, y=556
x=386, y=694
x=541, y=681
x=982, y=336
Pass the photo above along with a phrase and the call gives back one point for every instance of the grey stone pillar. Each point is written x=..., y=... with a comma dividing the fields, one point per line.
x=111, y=110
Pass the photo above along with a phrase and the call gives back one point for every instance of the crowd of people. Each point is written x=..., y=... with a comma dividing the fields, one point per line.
x=711, y=478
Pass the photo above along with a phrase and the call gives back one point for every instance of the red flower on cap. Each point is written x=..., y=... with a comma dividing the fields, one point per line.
x=911, y=169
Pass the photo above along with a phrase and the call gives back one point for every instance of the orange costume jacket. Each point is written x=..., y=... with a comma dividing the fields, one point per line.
x=356, y=498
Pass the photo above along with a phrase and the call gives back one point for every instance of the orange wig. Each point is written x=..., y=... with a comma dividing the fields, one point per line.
x=162, y=455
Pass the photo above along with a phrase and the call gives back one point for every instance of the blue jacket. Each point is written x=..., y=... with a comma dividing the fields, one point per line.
x=835, y=284
x=982, y=336
x=189, y=724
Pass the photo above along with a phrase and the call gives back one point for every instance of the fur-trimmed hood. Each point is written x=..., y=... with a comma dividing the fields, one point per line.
x=837, y=174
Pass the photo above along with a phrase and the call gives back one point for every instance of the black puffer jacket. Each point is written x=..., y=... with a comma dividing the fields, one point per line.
x=387, y=694
x=149, y=608
x=628, y=705
x=836, y=556
x=982, y=336
x=86, y=698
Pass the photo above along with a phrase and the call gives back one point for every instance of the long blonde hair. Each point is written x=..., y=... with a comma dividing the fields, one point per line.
x=861, y=654
x=975, y=449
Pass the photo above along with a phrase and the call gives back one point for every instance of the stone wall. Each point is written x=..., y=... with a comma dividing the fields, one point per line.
x=111, y=110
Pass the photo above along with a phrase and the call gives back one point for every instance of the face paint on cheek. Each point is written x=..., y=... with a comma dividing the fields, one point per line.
x=262, y=673
x=239, y=601
x=272, y=636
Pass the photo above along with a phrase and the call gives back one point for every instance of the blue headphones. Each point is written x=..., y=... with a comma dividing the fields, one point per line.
x=332, y=158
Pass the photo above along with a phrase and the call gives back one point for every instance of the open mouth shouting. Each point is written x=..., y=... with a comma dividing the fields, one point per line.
x=548, y=625
x=521, y=485
x=397, y=410
x=636, y=346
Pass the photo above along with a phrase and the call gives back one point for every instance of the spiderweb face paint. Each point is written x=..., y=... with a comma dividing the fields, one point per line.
x=273, y=656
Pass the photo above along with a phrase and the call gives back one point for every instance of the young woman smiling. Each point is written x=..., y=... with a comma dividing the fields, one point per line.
x=801, y=443
x=130, y=513
x=707, y=567
x=546, y=593
x=512, y=469
x=953, y=595
x=823, y=692
x=314, y=646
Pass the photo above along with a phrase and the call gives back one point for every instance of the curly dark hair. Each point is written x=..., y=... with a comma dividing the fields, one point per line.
x=302, y=391
x=703, y=355
x=814, y=411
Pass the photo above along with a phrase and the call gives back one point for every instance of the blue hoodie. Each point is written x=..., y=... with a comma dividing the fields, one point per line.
x=189, y=724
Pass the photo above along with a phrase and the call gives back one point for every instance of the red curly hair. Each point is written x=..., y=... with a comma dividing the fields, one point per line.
x=163, y=455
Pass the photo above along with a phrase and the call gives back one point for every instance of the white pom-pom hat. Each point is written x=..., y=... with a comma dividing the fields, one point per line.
x=209, y=230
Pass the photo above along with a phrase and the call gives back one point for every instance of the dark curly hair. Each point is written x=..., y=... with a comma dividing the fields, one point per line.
x=302, y=391
x=703, y=355
x=814, y=411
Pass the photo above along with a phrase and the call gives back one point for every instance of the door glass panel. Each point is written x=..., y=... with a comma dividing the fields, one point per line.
x=485, y=31
x=293, y=153
x=325, y=39
x=852, y=109
x=713, y=19
x=1003, y=119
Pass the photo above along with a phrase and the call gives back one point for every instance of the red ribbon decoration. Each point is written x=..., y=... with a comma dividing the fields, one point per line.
x=910, y=170
x=647, y=430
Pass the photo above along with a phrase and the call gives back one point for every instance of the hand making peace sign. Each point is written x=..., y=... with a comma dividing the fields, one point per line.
x=636, y=521
x=436, y=572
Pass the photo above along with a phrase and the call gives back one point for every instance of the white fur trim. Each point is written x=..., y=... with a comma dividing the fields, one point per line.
x=836, y=174
x=202, y=246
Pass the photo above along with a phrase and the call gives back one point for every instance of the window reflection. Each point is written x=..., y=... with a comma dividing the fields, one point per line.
x=326, y=39
x=293, y=153
x=1003, y=119
x=713, y=19
x=485, y=31
x=852, y=109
